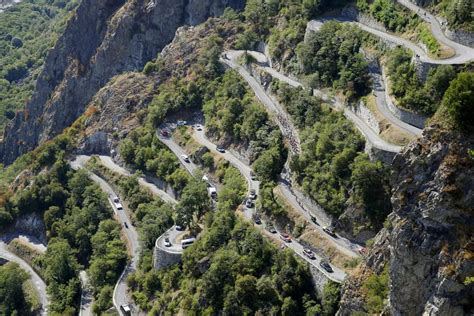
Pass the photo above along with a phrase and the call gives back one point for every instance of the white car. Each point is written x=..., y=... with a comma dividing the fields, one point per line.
x=185, y=158
x=117, y=203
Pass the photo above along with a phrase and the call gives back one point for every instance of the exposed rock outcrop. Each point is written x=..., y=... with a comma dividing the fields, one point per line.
x=103, y=39
x=427, y=243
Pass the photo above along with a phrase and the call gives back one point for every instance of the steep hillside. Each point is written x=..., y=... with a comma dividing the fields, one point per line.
x=427, y=243
x=103, y=39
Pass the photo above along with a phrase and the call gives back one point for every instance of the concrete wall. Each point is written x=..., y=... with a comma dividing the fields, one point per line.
x=163, y=259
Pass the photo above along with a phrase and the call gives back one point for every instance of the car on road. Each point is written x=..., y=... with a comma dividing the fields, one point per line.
x=185, y=158
x=326, y=266
x=253, y=194
x=165, y=133
x=125, y=309
x=125, y=224
x=117, y=203
x=330, y=231
x=257, y=220
x=179, y=228
x=220, y=149
x=271, y=229
x=285, y=237
x=309, y=253
x=212, y=192
x=198, y=127
x=249, y=203
x=167, y=242
x=253, y=176
x=314, y=220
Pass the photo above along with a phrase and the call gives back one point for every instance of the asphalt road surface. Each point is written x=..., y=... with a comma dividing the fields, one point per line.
x=337, y=275
x=38, y=283
x=120, y=296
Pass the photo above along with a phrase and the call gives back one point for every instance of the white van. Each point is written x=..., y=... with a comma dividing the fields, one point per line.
x=185, y=243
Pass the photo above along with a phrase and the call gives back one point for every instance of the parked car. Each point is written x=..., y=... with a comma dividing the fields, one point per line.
x=167, y=242
x=198, y=127
x=271, y=229
x=309, y=253
x=181, y=123
x=314, y=220
x=325, y=265
x=328, y=230
x=125, y=224
x=165, y=133
x=253, y=176
x=185, y=158
x=285, y=237
x=249, y=203
x=253, y=194
x=220, y=149
x=179, y=228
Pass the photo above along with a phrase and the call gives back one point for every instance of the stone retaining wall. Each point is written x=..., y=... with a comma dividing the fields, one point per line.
x=319, y=280
x=411, y=118
x=362, y=111
x=461, y=37
x=163, y=259
x=379, y=154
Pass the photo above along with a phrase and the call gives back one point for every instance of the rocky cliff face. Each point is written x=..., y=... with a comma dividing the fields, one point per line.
x=103, y=39
x=428, y=243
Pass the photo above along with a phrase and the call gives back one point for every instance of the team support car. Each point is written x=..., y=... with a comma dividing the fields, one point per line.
x=326, y=266
x=309, y=253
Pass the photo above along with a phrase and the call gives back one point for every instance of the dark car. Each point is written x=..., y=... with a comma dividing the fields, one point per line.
x=309, y=253
x=257, y=220
x=179, y=228
x=325, y=265
x=249, y=203
x=329, y=231
x=314, y=220
x=125, y=224
x=165, y=133
x=220, y=149
x=271, y=229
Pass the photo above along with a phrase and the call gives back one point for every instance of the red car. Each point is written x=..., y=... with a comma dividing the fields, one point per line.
x=285, y=237
x=165, y=133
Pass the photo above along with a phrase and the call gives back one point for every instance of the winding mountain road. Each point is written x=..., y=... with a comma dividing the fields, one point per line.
x=437, y=30
x=282, y=118
x=199, y=136
x=38, y=283
x=372, y=137
x=463, y=54
x=120, y=296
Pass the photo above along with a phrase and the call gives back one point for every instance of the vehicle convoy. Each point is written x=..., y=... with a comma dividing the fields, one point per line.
x=309, y=253
x=285, y=237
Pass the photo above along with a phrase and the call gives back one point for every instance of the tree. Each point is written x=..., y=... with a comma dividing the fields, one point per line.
x=194, y=202
x=12, y=296
x=459, y=100
x=331, y=297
